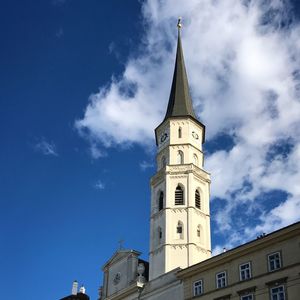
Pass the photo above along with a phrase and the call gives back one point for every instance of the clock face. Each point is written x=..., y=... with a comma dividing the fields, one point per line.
x=195, y=135
x=117, y=278
x=163, y=137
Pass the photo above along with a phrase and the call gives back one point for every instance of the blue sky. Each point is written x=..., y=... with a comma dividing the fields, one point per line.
x=83, y=85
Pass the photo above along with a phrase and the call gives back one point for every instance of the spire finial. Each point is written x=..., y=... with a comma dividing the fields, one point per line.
x=179, y=25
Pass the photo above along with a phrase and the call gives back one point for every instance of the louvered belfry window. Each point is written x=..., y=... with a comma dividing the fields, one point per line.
x=179, y=196
x=197, y=199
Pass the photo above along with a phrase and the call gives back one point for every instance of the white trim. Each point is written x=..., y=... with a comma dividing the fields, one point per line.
x=280, y=263
x=194, y=294
x=277, y=287
x=244, y=297
x=223, y=272
x=250, y=271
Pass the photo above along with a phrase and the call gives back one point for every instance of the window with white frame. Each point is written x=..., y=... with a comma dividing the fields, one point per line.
x=277, y=293
x=221, y=280
x=274, y=261
x=247, y=297
x=198, y=288
x=245, y=271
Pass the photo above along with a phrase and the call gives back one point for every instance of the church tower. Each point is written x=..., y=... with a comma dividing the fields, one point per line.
x=180, y=219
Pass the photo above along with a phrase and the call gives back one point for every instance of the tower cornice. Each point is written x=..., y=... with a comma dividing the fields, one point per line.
x=180, y=117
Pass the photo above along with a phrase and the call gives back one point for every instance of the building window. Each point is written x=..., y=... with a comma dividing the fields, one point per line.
x=180, y=158
x=159, y=236
x=274, y=261
x=277, y=293
x=198, y=231
x=221, y=280
x=247, y=297
x=180, y=132
x=161, y=201
x=179, y=196
x=198, y=288
x=179, y=230
x=245, y=271
x=197, y=199
x=195, y=157
x=163, y=162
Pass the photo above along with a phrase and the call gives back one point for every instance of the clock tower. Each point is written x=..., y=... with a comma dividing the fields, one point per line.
x=180, y=219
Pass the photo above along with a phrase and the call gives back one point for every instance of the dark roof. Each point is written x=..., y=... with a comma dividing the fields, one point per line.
x=79, y=296
x=180, y=102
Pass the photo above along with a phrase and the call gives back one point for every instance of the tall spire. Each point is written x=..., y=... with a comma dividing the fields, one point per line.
x=180, y=103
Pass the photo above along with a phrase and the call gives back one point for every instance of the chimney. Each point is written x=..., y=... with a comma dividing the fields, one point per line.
x=82, y=290
x=75, y=287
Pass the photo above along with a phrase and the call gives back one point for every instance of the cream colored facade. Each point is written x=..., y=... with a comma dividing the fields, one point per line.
x=284, y=279
x=179, y=163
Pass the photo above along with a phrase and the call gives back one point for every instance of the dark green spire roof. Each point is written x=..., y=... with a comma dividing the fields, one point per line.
x=180, y=102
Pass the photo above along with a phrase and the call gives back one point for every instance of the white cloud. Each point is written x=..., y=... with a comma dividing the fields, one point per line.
x=46, y=148
x=99, y=185
x=96, y=152
x=145, y=165
x=59, y=33
x=243, y=67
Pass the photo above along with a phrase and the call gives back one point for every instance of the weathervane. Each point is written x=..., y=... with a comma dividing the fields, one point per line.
x=179, y=25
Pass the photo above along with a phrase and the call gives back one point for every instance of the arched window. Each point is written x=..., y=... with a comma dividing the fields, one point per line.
x=161, y=201
x=179, y=196
x=179, y=230
x=197, y=199
x=163, y=162
x=179, y=132
x=180, y=159
x=195, y=159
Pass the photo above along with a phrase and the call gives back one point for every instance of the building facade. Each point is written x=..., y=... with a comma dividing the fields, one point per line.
x=264, y=269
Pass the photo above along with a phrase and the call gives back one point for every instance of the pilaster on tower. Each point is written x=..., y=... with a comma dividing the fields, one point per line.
x=180, y=218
